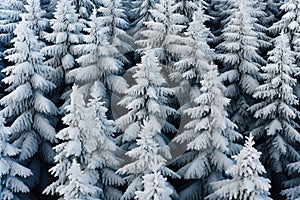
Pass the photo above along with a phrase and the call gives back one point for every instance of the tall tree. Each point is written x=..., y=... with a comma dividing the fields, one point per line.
x=240, y=62
x=26, y=105
x=60, y=52
x=147, y=98
x=11, y=171
x=246, y=181
x=209, y=136
x=86, y=158
x=276, y=113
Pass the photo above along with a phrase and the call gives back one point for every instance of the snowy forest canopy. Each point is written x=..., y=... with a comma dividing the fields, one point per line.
x=149, y=100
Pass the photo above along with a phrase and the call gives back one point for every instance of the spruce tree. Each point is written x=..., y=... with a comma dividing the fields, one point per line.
x=97, y=62
x=10, y=11
x=26, y=105
x=62, y=40
x=163, y=32
x=275, y=112
x=209, y=136
x=140, y=13
x=292, y=185
x=114, y=19
x=246, y=181
x=147, y=98
x=150, y=162
x=11, y=171
x=240, y=62
x=86, y=160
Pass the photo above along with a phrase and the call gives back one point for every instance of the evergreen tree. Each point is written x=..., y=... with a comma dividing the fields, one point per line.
x=36, y=16
x=246, y=182
x=10, y=11
x=147, y=98
x=150, y=162
x=209, y=136
x=276, y=112
x=60, y=52
x=26, y=104
x=86, y=160
x=292, y=185
x=240, y=61
x=194, y=54
x=163, y=32
x=11, y=170
x=141, y=13
x=114, y=19
x=97, y=62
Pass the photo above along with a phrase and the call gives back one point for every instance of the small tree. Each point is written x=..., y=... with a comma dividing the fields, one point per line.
x=87, y=150
x=276, y=112
x=114, y=20
x=11, y=171
x=246, y=182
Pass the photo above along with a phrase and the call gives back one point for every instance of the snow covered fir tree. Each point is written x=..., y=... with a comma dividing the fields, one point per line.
x=149, y=99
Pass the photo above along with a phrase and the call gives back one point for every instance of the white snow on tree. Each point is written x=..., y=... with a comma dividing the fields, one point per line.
x=36, y=16
x=276, y=112
x=9, y=12
x=149, y=161
x=141, y=13
x=163, y=31
x=194, y=56
x=292, y=185
x=26, y=104
x=10, y=170
x=188, y=7
x=114, y=20
x=240, y=61
x=209, y=136
x=246, y=182
x=97, y=61
x=60, y=52
x=147, y=98
x=86, y=157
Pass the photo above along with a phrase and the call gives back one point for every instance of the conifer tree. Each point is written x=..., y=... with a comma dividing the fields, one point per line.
x=194, y=54
x=292, y=185
x=97, y=62
x=36, y=16
x=276, y=112
x=86, y=158
x=60, y=52
x=114, y=19
x=209, y=136
x=141, y=13
x=147, y=98
x=163, y=31
x=10, y=11
x=26, y=105
x=240, y=61
x=150, y=162
x=246, y=181
x=11, y=171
